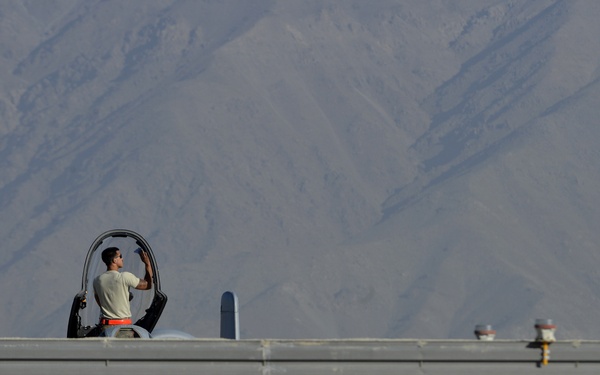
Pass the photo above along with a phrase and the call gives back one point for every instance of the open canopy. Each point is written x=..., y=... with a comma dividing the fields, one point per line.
x=146, y=306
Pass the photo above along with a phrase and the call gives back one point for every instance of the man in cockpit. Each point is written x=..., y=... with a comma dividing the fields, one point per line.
x=111, y=289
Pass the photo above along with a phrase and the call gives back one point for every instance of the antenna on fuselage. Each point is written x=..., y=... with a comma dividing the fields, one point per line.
x=230, y=320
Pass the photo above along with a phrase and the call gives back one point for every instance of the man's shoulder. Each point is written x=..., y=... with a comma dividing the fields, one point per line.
x=101, y=279
x=133, y=279
x=100, y=276
x=107, y=274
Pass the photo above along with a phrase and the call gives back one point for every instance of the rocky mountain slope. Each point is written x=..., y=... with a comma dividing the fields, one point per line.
x=349, y=169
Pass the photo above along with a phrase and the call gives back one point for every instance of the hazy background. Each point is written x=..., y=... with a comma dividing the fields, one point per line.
x=384, y=169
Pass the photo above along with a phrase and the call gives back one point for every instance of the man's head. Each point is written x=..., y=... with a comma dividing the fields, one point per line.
x=110, y=254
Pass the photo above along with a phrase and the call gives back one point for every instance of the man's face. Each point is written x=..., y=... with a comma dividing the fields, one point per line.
x=118, y=259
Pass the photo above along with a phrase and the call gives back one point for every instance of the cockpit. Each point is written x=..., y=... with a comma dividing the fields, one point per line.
x=146, y=306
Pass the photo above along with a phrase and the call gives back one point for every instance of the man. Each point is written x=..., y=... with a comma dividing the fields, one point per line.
x=111, y=289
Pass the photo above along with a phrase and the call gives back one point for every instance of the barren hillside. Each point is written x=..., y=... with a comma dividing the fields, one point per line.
x=349, y=169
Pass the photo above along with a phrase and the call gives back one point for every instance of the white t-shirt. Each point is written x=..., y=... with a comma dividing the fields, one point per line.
x=112, y=288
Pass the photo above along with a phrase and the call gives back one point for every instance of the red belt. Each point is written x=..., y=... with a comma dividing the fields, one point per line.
x=105, y=321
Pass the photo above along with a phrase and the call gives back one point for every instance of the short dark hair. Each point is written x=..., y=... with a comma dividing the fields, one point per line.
x=109, y=254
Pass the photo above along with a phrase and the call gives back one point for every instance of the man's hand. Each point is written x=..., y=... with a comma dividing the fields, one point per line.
x=144, y=257
x=146, y=283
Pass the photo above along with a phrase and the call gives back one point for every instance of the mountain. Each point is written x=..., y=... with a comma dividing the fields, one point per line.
x=388, y=169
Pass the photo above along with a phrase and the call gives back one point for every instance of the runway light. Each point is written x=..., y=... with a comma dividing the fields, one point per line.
x=545, y=330
x=484, y=332
x=545, y=334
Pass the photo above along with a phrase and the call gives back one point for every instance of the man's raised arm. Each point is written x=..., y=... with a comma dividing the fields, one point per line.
x=146, y=283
